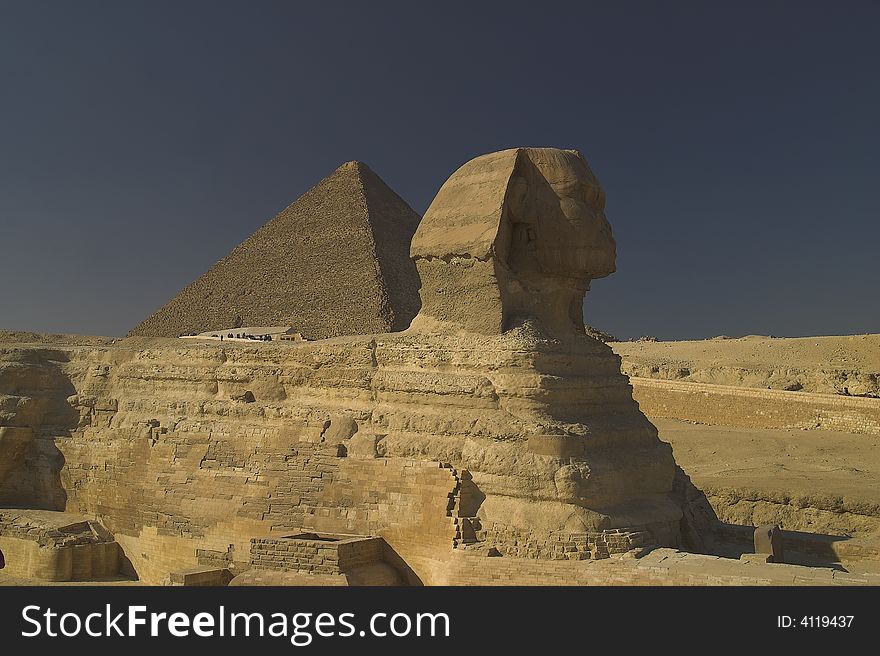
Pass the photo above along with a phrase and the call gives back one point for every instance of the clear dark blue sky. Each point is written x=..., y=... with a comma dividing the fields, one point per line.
x=737, y=143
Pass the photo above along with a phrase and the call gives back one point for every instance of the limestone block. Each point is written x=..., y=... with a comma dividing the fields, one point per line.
x=362, y=445
x=768, y=540
x=201, y=576
x=341, y=427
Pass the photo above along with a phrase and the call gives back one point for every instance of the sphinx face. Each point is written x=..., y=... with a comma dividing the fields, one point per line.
x=510, y=237
x=559, y=199
x=559, y=238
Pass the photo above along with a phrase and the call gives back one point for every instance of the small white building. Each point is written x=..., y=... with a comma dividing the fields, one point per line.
x=249, y=334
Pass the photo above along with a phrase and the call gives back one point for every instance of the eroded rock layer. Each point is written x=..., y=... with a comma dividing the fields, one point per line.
x=432, y=443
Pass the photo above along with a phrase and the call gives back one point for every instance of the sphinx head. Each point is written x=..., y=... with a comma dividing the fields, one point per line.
x=513, y=236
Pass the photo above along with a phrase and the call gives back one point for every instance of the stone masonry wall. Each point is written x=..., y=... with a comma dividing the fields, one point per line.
x=180, y=498
x=314, y=556
x=561, y=546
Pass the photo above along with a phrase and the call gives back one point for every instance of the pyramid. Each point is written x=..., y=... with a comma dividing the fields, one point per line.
x=334, y=262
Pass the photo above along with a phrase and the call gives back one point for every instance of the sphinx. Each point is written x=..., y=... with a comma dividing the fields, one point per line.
x=506, y=253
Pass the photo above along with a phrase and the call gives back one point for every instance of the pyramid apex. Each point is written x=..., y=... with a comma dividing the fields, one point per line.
x=353, y=165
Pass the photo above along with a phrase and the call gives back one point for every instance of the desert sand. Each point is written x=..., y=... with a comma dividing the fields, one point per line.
x=811, y=364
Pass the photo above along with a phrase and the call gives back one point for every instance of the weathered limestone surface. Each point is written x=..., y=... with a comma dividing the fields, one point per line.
x=155, y=448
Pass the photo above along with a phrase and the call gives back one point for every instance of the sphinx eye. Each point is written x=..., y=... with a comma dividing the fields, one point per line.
x=593, y=195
